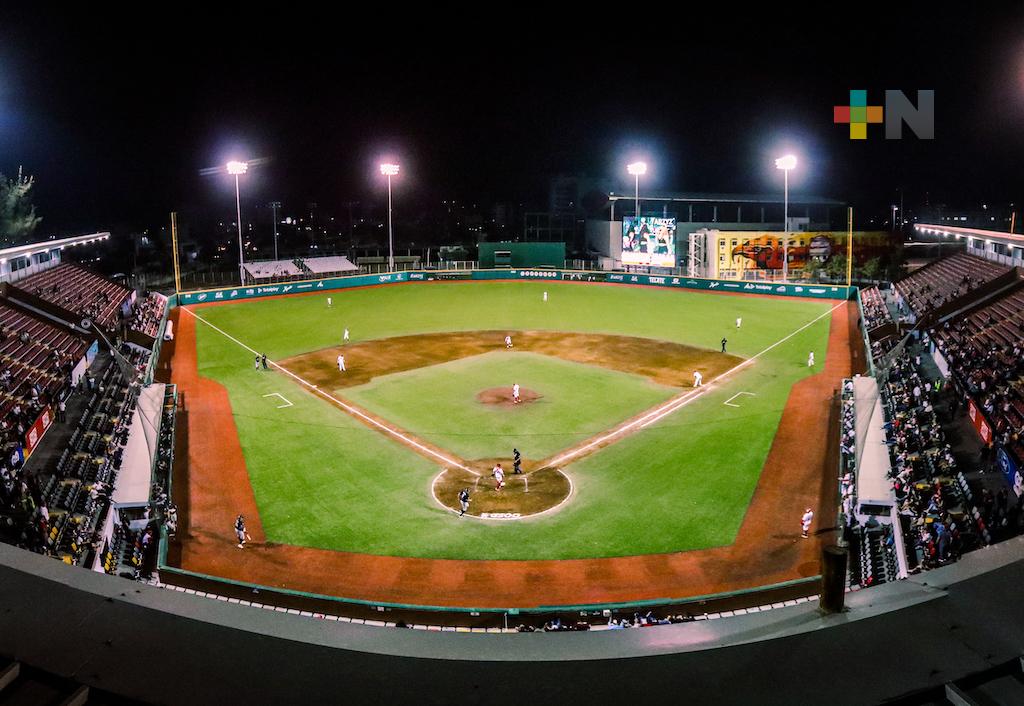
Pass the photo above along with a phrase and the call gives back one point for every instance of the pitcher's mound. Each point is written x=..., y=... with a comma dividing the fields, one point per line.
x=503, y=396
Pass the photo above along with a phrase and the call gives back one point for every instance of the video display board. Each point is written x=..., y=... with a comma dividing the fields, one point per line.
x=649, y=241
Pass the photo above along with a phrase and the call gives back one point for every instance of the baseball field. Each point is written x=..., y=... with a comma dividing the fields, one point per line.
x=621, y=455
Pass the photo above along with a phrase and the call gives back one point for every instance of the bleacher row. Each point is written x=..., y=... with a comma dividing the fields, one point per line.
x=985, y=351
x=300, y=267
x=80, y=291
x=36, y=359
x=945, y=281
x=876, y=312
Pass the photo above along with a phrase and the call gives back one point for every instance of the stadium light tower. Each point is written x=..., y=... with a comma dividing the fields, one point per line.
x=636, y=169
x=238, y=169
x=785, y=164
x=390, y=170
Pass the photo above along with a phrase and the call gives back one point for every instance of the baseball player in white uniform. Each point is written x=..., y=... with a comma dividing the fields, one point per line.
x=345, y=336
x=545, y=296
x=810, y=359
x=515, y=393
x=499, y=477
x=330, y=302
x=508, y=341
x=805, y=522
x=739, y=321
x=341, y=363
x=698, y=379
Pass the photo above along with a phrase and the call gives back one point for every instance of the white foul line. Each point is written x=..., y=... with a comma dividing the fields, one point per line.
x=729, y=401
x=348, y=408
x=278, y=394
x=680, y=402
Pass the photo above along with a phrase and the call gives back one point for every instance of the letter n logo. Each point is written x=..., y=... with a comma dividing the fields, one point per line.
x=920, y=118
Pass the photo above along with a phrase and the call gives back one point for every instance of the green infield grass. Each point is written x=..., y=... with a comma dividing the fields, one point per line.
x=576, y=402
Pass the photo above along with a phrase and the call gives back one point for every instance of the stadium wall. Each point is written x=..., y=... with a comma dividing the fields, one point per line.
x=170, y=647
x=822, y=291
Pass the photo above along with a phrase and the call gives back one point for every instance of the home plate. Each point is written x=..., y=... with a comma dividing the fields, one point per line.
x=729, y=403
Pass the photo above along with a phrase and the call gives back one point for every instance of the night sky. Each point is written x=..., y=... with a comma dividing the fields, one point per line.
x=116, y=114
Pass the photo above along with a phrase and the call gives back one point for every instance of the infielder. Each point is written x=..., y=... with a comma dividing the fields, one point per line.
x=499, y=477
x=810, y=359
x=698, y=379
x=508, y=341
x=515, y=393
x=805, y=522
x=341, y=363
x=464, y=500
x=240, y=532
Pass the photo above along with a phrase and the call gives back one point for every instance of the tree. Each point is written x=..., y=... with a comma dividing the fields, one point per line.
x=18, y=219
x=835, y=268
x=873, y=268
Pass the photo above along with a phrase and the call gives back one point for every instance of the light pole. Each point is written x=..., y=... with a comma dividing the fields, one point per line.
x=238, y=169
x=390, y=170
x=274, y=205
x=785, y=164
x=636, y=169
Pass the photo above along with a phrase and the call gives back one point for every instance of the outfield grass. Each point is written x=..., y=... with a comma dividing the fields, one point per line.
x=577, y=401
x=321, y=479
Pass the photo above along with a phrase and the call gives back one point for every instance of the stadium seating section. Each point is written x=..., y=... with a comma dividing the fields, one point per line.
x=946, y=280
x=79, y=291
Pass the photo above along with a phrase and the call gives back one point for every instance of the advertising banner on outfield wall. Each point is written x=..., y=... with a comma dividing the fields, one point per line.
x=323, y=285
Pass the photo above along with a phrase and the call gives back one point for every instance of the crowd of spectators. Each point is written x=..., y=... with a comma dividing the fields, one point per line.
x=147, y=313
x=991, y=371
x=876, y=312
x=922, y=463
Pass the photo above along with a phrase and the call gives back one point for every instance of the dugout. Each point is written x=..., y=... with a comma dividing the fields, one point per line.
x=518, y=255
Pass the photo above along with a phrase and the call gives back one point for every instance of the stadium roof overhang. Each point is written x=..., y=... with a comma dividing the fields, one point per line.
x=48, y=245
x=697, y=197
x=990, y=236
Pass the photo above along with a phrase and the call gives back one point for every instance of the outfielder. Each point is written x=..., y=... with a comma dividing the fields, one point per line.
x=330, y=302
x=341, y=363
x=545, y=296
x=810, y=359
x=739, y=320
x=345, y=336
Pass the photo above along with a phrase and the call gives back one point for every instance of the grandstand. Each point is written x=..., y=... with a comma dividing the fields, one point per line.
x=937, y=286
x=299, y=268
x=81, y=292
